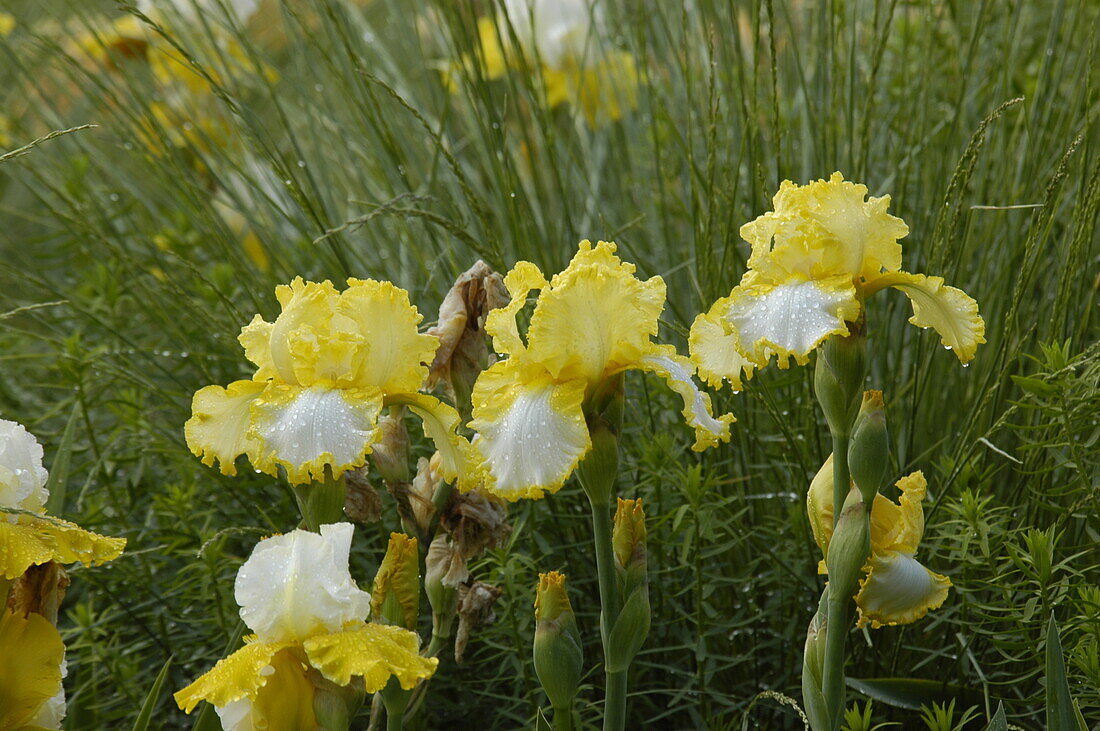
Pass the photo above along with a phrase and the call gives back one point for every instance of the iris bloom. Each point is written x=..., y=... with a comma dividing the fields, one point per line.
x=591, y=322
x=297, y=595
x=824, y=249
x=563, y=38
x=30, y=690
x=897, y=589
x=325, y=368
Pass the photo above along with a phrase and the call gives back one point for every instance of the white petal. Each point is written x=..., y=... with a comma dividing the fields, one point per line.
x=790, y=319
x=307, y=429
x=677, y=371
x=530, y=433
x=298, y=584
x=22, y=476
x=235, y=716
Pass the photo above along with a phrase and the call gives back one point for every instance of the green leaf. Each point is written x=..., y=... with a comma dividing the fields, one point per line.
x=59, y=470
x=152, y=699
x=1034, y=385
x=1061, y=710
x=541, y=724
x=911, y=693
x=998, y=722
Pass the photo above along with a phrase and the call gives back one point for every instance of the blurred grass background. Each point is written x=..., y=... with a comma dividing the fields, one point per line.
x=333, y=138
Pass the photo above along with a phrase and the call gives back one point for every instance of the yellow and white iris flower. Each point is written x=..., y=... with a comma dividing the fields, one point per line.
x=591, y=322
x=28, y=536
x=897, y=589
x=824, y=249
x=309, y=618
x=564, y=38
x=31, y=693
x=325, y=369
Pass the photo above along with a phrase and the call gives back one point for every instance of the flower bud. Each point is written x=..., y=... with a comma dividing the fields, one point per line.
x=420, y=496
x=628, y=540
x=395, y=597
x=869, y=448
x=440, y=584
x=838, y=378
x=849, y=547
x=558, y=655
x=390, y=454
x=813, y=666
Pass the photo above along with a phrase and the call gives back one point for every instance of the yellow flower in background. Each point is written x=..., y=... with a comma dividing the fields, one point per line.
x=7, y=24
x=28, y=536
x=297, y=595
x=564, y=39
x=325, y=369
x=824, y=249
x=897, y=589
x=591, y=322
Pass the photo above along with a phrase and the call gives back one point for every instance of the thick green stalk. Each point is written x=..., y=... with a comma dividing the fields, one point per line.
x=837, y=633
x=615, y=690
x=563, y=719
x=321, y=502
x=394, y=721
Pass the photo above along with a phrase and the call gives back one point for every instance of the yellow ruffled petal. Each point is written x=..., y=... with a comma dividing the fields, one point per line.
x=501, y=322
x=898, y=589
x=397, y=355
x=218, y=430
x=531, y=431
x=308, y=304
x=305, y=430
x=789, y=319
x=596, y=317
x=949, y=311
x=826, y=228
x=441, y=421
x=374, y=651
x=238, y=676
x=30, y=673
x=716, y=349
x=255, y=338
x=677, y=372
x=35, y=540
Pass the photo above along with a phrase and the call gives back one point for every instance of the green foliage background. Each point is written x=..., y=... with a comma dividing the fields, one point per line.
x=122, y=291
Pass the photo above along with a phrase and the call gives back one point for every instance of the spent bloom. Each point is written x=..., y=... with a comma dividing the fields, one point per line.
x=309, y=621
x=897, y=589
x=325, y=368
x=590, y=323
x=815, y=258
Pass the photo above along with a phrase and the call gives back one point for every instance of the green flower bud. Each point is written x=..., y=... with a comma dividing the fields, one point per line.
x=838, y=378
x=849, y=547
x=395, y=596
x=869, y=448
x=628, y=540
x=438, y=567
x=558, y=656
x=813, y=666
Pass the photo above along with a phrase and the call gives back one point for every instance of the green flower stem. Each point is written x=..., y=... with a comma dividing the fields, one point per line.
x=615, y=688
x=321, y=502
x=563, y=719
x=836, y=634
x=395, y=721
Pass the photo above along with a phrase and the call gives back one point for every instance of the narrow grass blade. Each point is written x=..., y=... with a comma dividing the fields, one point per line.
x=152, y=700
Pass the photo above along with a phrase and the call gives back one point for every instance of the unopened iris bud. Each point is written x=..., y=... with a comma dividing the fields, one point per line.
x=395, y=596
x=869, y=449
x=628, y=539
x=558, y=656
x=390, y=453
x=813, y=666
x=849, y=547
x=439, y=584
x=838, y=378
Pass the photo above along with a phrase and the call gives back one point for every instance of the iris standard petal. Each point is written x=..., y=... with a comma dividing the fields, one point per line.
x=297, y=584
